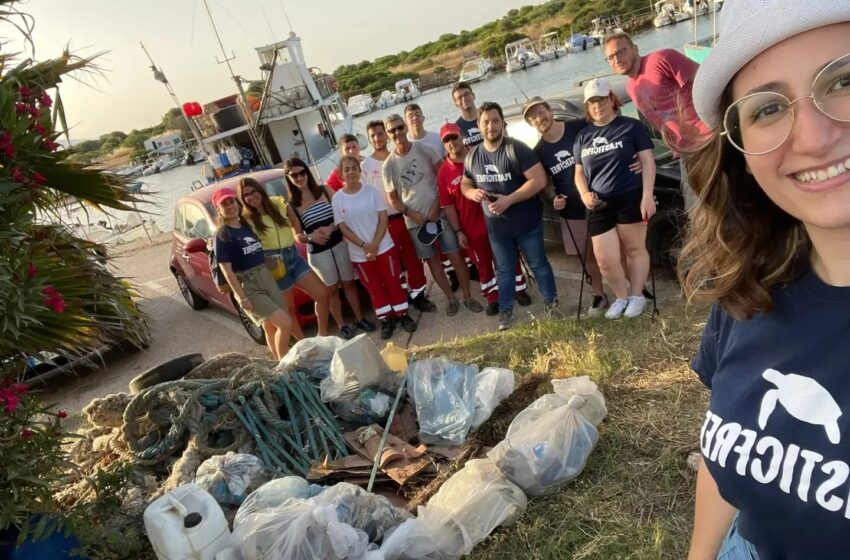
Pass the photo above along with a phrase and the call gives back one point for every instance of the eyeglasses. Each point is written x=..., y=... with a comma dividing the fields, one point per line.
x=761, y=122
x=450, y=138
x=246, y=194
x=396, y=129
x=619, y=53
x=297, y=174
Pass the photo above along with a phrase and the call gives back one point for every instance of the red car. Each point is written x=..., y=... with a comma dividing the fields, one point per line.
x=194, y=224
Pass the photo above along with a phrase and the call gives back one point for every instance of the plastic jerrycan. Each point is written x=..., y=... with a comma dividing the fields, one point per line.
x=395, y=358
x=186, y=524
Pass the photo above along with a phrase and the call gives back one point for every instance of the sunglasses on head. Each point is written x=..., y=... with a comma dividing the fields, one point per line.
x=396, y=129
x=296, y=174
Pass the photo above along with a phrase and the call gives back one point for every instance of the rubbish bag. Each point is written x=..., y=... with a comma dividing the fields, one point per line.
x=594, y=407
x=548, y=443
x=370, y=407
x=492, y=386
x=356, y=365
x=312, y=356
x=367, y=512
x=444, y=396
x=275, y=493
x=230, y=477
x=298, y=530
x=466, y=509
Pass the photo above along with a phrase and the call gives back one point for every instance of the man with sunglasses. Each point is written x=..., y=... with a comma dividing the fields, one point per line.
x=348, y=145
x=661, y=86
x=410, y=179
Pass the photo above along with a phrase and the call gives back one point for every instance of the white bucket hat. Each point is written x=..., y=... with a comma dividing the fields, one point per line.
x=596, y=88
x=749, y=27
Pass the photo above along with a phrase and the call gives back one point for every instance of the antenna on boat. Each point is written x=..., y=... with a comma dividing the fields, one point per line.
x=286, y=15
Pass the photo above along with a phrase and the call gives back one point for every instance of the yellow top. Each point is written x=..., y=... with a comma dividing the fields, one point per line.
x=276, y=237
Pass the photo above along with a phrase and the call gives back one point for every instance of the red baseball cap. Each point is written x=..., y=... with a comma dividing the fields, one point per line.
x=448, y=129
x=221, y=195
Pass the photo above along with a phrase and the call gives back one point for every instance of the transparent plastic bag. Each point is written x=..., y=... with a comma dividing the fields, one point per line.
x=370, y=407
x=275, y=493
x=356, y=365
x=367, y=512
x=230, y=477
x=444, y=394
x=492, y=386
x=594, y=407
x=466, y=509
x=547, y=444
x=312, y=356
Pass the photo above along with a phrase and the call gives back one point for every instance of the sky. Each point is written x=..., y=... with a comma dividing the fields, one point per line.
x=180, y=38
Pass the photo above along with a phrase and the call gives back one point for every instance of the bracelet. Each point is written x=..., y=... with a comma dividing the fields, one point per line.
x=362, y=244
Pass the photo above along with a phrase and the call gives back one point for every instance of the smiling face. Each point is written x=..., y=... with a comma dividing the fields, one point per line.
x=491, y=125
x=351, y=148
x=809, y=175
x=229, y=209
x=350, y=172
x=414, y=119
x=397, y=131
x=600, y=109
x=454, y=147
x=378, y=138
x=298, y=176
x=464, y=100
x=540, y=118
x=621, y=56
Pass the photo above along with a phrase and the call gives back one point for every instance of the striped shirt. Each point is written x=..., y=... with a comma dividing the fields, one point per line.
x=319, y=214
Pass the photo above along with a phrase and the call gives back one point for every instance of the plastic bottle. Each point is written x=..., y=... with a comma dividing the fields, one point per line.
x=186, y=523
x=395, y=358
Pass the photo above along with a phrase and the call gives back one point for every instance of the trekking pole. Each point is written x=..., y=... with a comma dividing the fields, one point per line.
x=581, y=259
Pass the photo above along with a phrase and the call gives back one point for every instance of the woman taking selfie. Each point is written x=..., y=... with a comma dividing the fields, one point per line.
x=312, y=219
x=770, y=246
x=267, y=217
x=240, y=258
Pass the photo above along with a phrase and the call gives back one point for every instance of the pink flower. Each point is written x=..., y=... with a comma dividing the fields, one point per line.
x=39, y=129
x=21, y=108
x=32, y=271
x=20, y=388
x=61, y=414
x=50, y=144
x=45, y=100
x=54, y=299
x=6, y=145
x=25, y=92
x=27, y=434
x=10, y=399
x=33, y=111
x=18, y=176
x=38, y=178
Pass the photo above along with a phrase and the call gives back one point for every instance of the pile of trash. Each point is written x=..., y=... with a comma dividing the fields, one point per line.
x=264, y=461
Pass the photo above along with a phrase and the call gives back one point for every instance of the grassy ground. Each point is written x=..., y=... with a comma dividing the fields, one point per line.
x=635, y=498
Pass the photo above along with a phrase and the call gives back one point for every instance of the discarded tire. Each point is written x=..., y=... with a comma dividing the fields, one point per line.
x=166, y=371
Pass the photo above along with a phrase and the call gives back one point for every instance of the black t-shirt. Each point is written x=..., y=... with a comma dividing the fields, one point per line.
x=494, y=172
x=471, y=132
x=239, y=247
x=606, y=152
x=560, y=164
x=776, y=437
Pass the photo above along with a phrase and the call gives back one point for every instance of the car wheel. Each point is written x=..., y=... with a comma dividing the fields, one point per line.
x=195, y=301
x=254, y=331
x=166, y=371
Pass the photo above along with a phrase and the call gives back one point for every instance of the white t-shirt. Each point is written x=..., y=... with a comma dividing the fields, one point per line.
x=413, y=178
x=359, y=212
x=431, y=139
x=372, y=175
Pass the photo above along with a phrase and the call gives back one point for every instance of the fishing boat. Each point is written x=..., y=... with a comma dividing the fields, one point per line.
x=667, y=14
x=579, y=42
x=520, y=55
x=549, y=46
x=604, y=25
x=405, y=90
x=360, y=105
x=386, y=99
x=475, y=70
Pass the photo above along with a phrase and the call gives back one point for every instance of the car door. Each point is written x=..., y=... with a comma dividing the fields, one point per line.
x=198, y=225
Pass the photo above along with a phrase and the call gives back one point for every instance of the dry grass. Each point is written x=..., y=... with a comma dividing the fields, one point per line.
x=635, y=499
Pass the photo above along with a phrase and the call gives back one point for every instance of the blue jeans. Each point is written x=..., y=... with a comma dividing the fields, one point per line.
x=736, y=547
x=505, y=252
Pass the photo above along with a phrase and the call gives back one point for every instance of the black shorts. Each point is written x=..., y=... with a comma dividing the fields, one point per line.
x=622, y=209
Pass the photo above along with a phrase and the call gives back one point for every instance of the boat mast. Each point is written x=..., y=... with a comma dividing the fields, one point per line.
x=259, y=145
x=159, y=76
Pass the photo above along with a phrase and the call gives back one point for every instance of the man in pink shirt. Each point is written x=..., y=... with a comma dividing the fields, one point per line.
x=660, y=85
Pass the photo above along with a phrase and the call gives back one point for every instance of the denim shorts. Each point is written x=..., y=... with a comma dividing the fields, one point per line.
x=736, y=547
x=447, y=242
x=296, y=267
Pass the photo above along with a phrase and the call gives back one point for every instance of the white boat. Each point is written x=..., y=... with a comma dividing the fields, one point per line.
x=549, y=46
x=166, y=163
x=475, y=70
x=579, y=42
x=405, y=90
x=360, y=105
x=520, y=55
x=387, y=99
x=700, y=7
x=604, y=25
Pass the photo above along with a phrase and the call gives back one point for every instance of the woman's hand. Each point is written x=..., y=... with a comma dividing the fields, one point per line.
x=371, y=249
x=559, y=202
x=246, y=304
x=319, y=236
x=635, y=166
x=589, y=199
x=501, y=204
x=647, y=207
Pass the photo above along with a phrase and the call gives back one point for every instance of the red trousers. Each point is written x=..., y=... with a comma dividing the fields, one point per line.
x=482, y=255
x=407, y=253
x=382, y=279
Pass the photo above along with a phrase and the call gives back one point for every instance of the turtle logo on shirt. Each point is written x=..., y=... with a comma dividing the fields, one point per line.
x=563, y=154
x=490, y=168
x=473, y=136
x=600, y=141
x=803, y=398
x=251, y=245
x=565, y=161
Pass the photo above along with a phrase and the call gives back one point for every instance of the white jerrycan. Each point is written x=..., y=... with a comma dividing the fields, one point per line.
x=186, y=524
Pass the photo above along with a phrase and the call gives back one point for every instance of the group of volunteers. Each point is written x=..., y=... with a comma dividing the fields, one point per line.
x=763, y=131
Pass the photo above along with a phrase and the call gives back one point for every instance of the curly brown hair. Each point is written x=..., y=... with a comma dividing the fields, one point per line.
x=252, y=214
x=740, y=244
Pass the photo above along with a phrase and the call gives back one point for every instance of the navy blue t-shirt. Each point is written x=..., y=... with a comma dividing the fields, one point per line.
x=606, y=152
x=240, y=248
x=471, y=132
x=560, y=164
x=776, y=437
x=493, y=172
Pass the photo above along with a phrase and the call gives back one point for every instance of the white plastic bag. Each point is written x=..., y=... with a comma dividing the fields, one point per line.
x=466, y=509
x=444, y=394
x=492, y=386
x=230, y=477
x=594, y=407
x=356, y=365
x=548, y=443
x=311, y=355
x=275, y=493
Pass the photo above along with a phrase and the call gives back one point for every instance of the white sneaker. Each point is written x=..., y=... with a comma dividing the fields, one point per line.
x=635, y=306
x=597, y=306
x=616, y=309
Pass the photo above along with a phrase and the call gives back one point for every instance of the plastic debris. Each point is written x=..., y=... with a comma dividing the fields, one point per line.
x=230, y=477
x=444, y=394
x=356, y=365
x=312, y=356
x=492, y=386
x=275, y=493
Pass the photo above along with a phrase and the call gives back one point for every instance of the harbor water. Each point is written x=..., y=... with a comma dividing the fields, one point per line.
x=547, y=79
